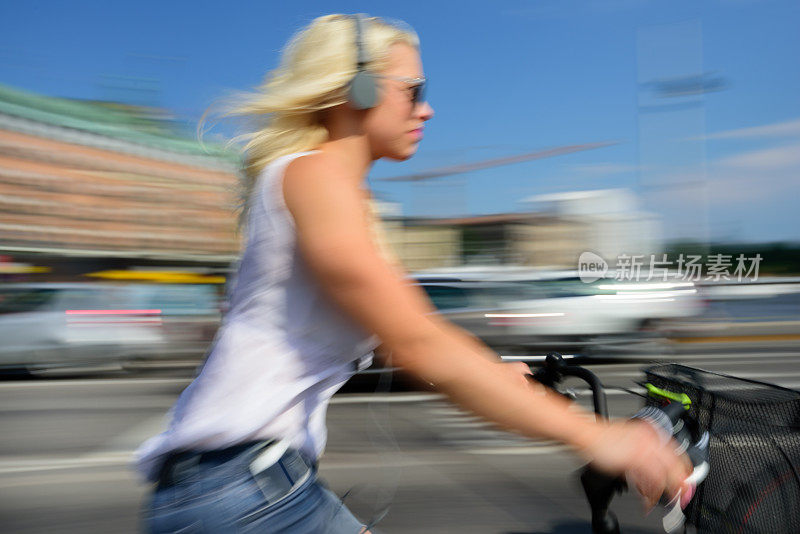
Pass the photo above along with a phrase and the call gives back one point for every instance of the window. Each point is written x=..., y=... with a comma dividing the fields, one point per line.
x=447, y=297
x=21, y=300
x=174, y=299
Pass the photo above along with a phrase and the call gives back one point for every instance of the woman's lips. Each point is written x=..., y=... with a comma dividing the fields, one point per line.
x=417, y=133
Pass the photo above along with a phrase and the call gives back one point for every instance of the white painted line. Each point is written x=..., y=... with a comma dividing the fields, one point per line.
x=143, y=403
x=697, y=359
x=522, y=450
x=23, y=465
x=86, y=404
x=451, y=410
x=761, y=362
x=133, y=437
x=70, y=477
x=389, y=463
x=765, y=358
x=467, y=424
x=777, y=374
x=176, y=364
x=125, y=459
x=386, y=398
x=93, y=382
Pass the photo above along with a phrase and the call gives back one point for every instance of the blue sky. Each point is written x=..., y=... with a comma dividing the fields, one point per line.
x=505, y=77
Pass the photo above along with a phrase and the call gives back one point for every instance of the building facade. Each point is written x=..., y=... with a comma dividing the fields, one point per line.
x=99, y=184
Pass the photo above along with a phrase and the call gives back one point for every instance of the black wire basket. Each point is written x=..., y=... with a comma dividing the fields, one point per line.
x=754, y=482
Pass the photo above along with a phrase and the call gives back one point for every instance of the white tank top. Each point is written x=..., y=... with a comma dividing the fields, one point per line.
x=282, y=350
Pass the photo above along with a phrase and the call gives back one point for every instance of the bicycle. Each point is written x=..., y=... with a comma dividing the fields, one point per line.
x=743, y=437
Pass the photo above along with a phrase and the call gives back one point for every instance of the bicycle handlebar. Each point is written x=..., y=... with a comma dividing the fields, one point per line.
x=601, y=488
x=554, y=371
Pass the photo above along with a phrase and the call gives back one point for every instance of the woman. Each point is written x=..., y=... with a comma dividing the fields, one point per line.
x=241, y=451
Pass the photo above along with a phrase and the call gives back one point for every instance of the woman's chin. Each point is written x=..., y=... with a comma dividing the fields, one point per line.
x=407, y=153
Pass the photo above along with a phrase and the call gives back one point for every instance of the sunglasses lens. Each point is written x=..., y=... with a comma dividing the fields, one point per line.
x=418, y=93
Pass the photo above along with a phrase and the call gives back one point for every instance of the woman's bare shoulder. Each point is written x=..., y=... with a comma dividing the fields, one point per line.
x=315, y=165
x=316, y=186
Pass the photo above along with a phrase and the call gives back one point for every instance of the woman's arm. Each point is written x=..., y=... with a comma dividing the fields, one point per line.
x=334, y=237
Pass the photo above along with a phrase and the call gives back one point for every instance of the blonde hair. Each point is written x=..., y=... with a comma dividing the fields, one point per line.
x=317, y=64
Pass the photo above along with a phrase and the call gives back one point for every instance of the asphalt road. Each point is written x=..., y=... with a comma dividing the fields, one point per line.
x=65, y=447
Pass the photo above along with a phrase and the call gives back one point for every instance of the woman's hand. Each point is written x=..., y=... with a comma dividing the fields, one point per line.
x=635, y=449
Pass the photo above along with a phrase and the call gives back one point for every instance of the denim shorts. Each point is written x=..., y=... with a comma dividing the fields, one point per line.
x=222, y=497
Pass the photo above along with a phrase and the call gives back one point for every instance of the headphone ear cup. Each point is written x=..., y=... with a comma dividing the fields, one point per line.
x=363, y=93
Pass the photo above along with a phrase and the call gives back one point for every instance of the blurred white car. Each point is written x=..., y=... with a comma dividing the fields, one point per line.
x=83, y=325
x=519, y=307
x=48, y=325
x=190, y=316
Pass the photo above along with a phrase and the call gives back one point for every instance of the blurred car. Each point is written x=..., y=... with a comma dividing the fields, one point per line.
x=522, y=308
x=50, y=326
x=190, y=316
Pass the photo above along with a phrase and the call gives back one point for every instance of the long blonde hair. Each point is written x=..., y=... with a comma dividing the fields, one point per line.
x=318, y=62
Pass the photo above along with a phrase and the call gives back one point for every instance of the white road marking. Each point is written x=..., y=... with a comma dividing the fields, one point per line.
x=390, y=462
x=767, y=356
x=134, y=436
x=68, y=477
x=777, y=374
x=25, y=465
x=385, y=398
x=86, y=404
x=529, y=450
x=23, y=384
x=468, y=423
x=125, y=458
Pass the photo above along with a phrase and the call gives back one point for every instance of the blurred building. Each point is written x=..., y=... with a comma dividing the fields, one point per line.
x=500, y=239
x=612, y=222
x=91, y=186
x=414, y=243
x=552, y=234
x=87, y=185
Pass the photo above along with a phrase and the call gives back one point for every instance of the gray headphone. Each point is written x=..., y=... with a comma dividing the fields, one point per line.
x=363, y=94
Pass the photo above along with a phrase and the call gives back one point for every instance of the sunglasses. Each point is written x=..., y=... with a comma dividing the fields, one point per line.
x=417, y=86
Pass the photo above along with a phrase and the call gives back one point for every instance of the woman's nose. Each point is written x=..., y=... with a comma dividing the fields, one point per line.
x=425, y=111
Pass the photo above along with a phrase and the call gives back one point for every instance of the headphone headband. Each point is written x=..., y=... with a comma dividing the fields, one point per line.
x=363, y=93
x=361, y=52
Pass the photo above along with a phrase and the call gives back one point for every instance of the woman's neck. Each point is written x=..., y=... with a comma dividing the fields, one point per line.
x=348, y=143
x=352, y=153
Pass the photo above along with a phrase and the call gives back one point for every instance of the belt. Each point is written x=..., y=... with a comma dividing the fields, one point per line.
x=276, y=468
